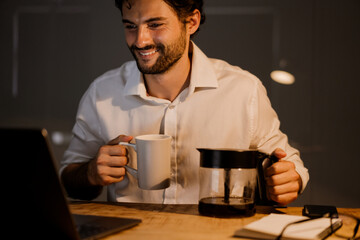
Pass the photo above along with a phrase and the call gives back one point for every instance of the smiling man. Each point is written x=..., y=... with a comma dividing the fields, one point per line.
x=152, y=56
x=174, y=89
x=159, y=42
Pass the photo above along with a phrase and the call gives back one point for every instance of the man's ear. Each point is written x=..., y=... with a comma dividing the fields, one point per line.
x=193, y=22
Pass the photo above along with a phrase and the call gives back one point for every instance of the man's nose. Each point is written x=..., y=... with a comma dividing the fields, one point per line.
x=143, y=37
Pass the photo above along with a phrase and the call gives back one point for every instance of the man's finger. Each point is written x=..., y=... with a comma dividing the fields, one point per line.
x=109, y=180
x=109, y=175
x=282, y=178
x=117, y=150
x=120, y=138
x=284, y=199
x=116, y=172
x=279, y=167
x=283, y=188
x=111, y=150
x=118, y=161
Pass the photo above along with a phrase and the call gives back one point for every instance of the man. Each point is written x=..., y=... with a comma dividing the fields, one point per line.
x=172, y=88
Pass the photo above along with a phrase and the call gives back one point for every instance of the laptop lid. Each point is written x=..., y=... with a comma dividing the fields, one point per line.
x=35, y=192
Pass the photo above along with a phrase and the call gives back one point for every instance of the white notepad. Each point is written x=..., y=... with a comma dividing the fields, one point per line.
x=270, y=227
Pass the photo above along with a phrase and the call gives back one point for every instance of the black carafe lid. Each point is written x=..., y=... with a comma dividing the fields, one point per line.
x=228, y=158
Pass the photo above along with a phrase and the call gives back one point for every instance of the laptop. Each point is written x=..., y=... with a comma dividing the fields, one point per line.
x=36, y=204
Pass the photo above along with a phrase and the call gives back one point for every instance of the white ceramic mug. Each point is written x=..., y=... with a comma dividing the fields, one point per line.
x=153, y=161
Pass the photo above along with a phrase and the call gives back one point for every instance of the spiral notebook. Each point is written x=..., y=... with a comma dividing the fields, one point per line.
x=270, y=227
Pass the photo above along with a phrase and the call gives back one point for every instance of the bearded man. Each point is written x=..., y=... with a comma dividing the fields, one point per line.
x=172, y=88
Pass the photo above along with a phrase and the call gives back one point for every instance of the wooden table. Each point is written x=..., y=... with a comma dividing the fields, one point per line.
x=178, y=221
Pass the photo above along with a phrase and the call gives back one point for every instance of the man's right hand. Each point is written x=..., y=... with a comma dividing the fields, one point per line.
x=108, y=166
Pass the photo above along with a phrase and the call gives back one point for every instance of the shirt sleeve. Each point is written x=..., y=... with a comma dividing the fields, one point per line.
x=266, y=133
x=86, y=138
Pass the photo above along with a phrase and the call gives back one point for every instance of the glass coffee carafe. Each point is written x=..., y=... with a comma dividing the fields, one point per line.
x=228, y=181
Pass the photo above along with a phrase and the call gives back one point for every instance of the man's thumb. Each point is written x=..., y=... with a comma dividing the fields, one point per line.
x=120, y=138
x=279, y=153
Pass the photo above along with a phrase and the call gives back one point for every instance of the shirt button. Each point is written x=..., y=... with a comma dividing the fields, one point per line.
x=171, y=106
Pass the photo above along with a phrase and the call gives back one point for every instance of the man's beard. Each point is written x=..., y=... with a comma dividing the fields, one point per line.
x=168, y=55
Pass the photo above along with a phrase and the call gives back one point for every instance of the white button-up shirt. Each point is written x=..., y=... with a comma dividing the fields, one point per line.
x=223, y=107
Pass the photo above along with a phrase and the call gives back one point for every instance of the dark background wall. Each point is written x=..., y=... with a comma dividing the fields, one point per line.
x=50, y=51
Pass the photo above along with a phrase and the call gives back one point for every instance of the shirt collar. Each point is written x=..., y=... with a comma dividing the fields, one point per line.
x=202, y=75
x=202, y=72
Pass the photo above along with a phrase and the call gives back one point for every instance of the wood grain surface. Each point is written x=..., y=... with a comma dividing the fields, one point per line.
x=178, y=221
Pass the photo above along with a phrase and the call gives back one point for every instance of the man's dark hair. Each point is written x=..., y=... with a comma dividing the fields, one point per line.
x=183, y=8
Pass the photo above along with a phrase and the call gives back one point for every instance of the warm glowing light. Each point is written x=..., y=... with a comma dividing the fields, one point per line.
x=282, y=77
x=60, y=138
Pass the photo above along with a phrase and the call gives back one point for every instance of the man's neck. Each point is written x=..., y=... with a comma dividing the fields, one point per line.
x=170, y=84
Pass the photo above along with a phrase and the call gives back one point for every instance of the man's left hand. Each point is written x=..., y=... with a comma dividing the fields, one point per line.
x=282, y=181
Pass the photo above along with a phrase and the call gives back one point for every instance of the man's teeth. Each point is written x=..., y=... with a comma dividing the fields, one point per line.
x=147, y=53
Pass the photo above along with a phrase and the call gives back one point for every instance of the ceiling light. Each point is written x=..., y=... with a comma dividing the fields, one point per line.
x=282, y=77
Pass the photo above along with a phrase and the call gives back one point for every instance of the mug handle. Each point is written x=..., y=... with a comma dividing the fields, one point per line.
x=128, y=144
x=131, y=170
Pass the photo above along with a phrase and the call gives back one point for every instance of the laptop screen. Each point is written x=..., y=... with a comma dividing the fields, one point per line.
x=34, y=190
x=36, y=200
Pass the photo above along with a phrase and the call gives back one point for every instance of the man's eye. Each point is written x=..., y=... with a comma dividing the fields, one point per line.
x=130, y=26
x=155, y=25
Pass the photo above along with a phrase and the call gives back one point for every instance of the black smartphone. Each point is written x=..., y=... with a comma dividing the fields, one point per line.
x=317, y=211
